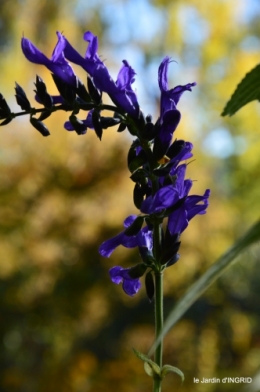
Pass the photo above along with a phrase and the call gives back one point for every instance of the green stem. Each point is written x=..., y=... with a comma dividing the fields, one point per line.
x=158, y=302
x=158, y=325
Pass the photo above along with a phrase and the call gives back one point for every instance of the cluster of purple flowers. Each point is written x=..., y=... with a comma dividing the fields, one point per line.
x=157, y=163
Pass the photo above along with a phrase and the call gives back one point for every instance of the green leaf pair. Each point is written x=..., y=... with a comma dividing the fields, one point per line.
x=154, y=371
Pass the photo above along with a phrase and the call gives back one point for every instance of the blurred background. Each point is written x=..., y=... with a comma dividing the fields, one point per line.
x=64, y=326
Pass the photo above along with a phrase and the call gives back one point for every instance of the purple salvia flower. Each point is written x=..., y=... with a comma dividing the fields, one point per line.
x=169, y=98
x=169, y=114
x=121, y=91
x=120, y=275
x=142, y=239
x=193, y=205
x=57, y=64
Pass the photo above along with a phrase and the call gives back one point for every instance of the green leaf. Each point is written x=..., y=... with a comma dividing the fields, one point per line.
x=171, y=369
x=247, y=90
x=217, y=269
x=151, y=368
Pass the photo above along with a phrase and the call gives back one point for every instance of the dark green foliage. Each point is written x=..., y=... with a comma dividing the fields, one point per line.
x=247, y=90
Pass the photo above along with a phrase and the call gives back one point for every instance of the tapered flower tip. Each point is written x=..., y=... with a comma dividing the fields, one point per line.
x=57, y=54
x=93, y=44
x=163, y=73
x=32, y=53
x=125, y=76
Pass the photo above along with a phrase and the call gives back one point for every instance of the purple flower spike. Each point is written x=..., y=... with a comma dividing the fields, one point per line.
x=57, y=64
x=120, y=275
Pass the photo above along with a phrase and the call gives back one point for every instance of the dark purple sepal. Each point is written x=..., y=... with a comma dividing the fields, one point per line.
x=66, y=91
x=97, y=124
x=137, y=271
x=5, y=110
x=21, y=98
x=40, y=126
x=149, y=285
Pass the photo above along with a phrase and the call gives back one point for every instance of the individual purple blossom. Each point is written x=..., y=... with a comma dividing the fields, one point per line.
x=142, y=239
x=121, y=91
x=170, y=196
x=58, y=65
x=169, y=114
x=193, y=205
x=167, y=196
x=120, y=275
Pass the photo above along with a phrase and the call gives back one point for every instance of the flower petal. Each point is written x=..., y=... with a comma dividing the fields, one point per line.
x=131, y=287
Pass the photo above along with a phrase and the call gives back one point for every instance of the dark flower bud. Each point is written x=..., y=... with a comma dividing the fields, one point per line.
x=85, y=105
x=169, y=252
x=135, y=227
x=82, y=92
x=21, y=98
x=66, y=91
x=45, y=114
x=149, y=285
x=97, y=123
x=40, y=126
x=138, y=195
x=41, y=93
x=78, y=125
x=140, y=175
x=146, y=255
x=6, y=121
x=121, y=127
x=137, y=271
x=135, y=160
x=107, y=122
x=148, y=131
x=5, y=110
x=173, y=260
x=159, y=149
x=94, y=93
x=175, y=148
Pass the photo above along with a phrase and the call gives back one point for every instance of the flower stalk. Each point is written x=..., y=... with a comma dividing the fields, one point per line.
x=158, y=309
